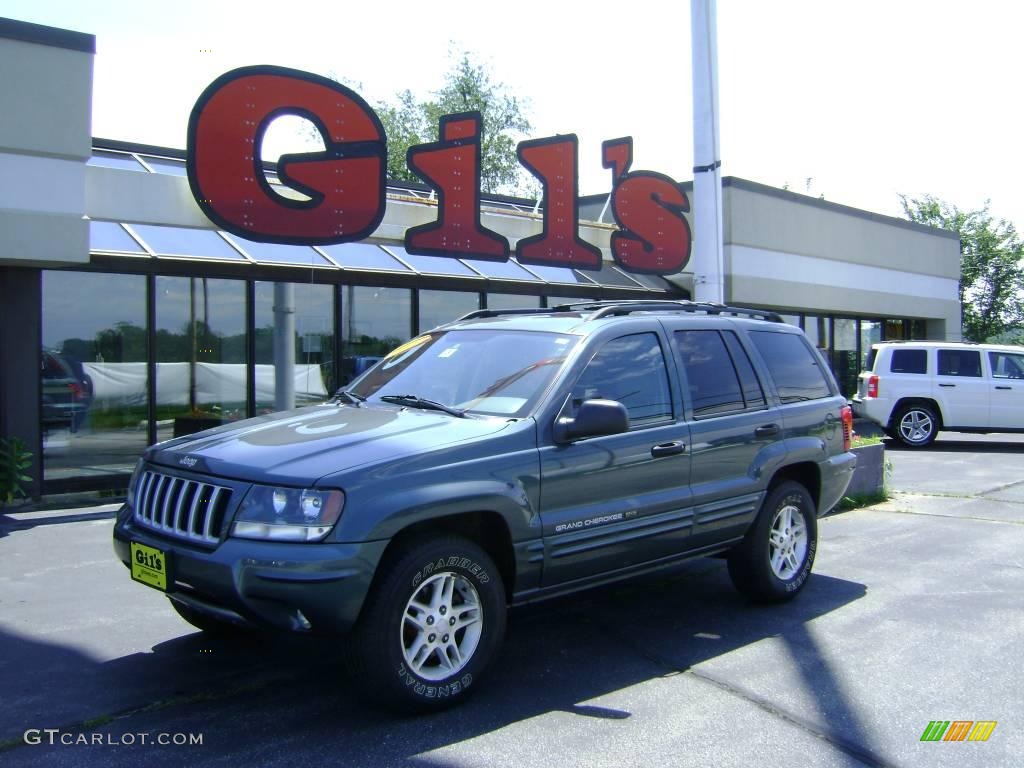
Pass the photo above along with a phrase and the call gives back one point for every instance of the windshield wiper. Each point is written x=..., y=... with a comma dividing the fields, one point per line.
x=349, y=397
x=415, y=401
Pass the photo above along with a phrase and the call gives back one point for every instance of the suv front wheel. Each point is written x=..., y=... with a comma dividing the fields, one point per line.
x=773, y=561
x=431, y=625
x=915, y=426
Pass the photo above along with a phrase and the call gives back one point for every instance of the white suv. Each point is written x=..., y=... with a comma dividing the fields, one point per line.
x=914, y=389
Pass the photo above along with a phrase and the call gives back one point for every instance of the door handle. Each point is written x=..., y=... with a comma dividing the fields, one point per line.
x=1004, y=387
x=768, y=430
x=668, y=449
x=947, y=385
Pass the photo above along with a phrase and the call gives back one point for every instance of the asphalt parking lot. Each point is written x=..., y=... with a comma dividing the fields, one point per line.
x=915, y=613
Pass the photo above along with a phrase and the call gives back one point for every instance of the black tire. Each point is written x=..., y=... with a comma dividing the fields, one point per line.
x=916, y=425
x=382, y=657
x=207, y=623
x=751, y=565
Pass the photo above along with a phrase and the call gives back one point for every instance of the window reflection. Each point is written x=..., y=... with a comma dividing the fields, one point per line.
x=511, y=301
x=844, y=354
x=555, y=301
x=200, y=353
x=309, y=312
x=440, y=307
x=374, y=321
x=895, y=330
x=93, y=372
x=870, y=333
x=631, y=370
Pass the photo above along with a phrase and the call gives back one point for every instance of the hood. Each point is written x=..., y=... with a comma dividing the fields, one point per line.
x=300, y=446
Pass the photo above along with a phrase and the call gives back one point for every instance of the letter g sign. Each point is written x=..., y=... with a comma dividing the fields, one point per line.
x=346, y=182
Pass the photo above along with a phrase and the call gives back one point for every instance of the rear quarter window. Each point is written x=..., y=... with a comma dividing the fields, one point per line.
x=869, y=363
x=792, y=366
x=909, y=361
x=719, y=375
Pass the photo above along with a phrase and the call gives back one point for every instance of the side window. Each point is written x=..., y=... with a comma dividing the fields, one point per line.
x=1006, y=365
x=960, y=362
x=720, y=376
x=630, y=369
x=792, y=366
x=752, y=392
x=909, y=361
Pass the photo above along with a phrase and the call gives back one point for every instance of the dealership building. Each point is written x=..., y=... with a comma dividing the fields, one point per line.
x=127, y=316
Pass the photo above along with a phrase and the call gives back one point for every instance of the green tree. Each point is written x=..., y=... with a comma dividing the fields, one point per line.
x=991, y=271
x=467, y=86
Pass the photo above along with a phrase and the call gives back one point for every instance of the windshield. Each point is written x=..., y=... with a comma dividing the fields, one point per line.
x=500, y=373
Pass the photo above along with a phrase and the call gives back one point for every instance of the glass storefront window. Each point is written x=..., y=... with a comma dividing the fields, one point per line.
x=374, y=321
x=817, y=330
x=791, y=319
x=200, y=353
x=94, y=379
x=440, y=307
x=870, y=333
x=554, y=301
x=844, y=354
x=311, y=308
x=511, y=301
x=895, y=330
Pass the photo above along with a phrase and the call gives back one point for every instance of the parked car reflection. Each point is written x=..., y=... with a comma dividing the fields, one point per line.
x=65, y=395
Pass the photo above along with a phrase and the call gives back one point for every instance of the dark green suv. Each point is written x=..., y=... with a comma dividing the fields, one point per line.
x=508, y=457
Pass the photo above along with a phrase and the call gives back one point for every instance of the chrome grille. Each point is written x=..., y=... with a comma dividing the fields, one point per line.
x=176, y=506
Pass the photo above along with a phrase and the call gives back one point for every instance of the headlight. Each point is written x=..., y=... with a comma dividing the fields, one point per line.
x=134, y=482
x=287, y=514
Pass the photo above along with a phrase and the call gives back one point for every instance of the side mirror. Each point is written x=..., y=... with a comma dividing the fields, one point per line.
x=593, y=418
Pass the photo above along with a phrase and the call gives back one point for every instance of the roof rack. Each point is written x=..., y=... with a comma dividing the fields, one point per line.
x=476, y=314
x=628, y=306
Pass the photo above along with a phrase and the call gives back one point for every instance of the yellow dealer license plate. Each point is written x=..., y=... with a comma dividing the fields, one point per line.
x=150, y=565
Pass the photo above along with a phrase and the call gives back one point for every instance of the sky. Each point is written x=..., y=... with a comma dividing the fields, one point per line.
x=856, y=102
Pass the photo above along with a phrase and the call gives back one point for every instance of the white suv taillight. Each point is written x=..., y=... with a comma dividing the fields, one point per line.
x=872, y=386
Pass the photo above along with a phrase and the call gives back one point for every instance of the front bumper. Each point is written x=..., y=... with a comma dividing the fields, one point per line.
x=292, y=586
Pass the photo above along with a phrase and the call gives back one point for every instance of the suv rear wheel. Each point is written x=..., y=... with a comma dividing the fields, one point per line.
x=915, y=425
x=431, y=625
x=774, y=560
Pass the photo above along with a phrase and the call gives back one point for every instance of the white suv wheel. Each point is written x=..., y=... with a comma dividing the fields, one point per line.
x=916, y=426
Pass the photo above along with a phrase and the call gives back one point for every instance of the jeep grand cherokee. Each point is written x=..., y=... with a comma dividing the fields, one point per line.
x=505, y=458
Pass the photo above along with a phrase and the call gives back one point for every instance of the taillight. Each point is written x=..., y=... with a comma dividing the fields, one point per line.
x=846, y=414
x=76, y=391
x=873, y=386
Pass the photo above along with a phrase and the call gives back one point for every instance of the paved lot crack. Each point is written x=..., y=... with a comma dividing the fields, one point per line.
x=859, y=753
x=976, y=518
x=981, y=496
x=1004, y=487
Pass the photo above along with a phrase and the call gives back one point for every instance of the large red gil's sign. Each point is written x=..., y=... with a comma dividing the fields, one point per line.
x=346, y=182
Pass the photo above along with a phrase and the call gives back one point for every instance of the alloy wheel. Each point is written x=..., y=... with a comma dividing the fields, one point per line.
x=787, y=542
x=441, y=626
x=916, y=426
